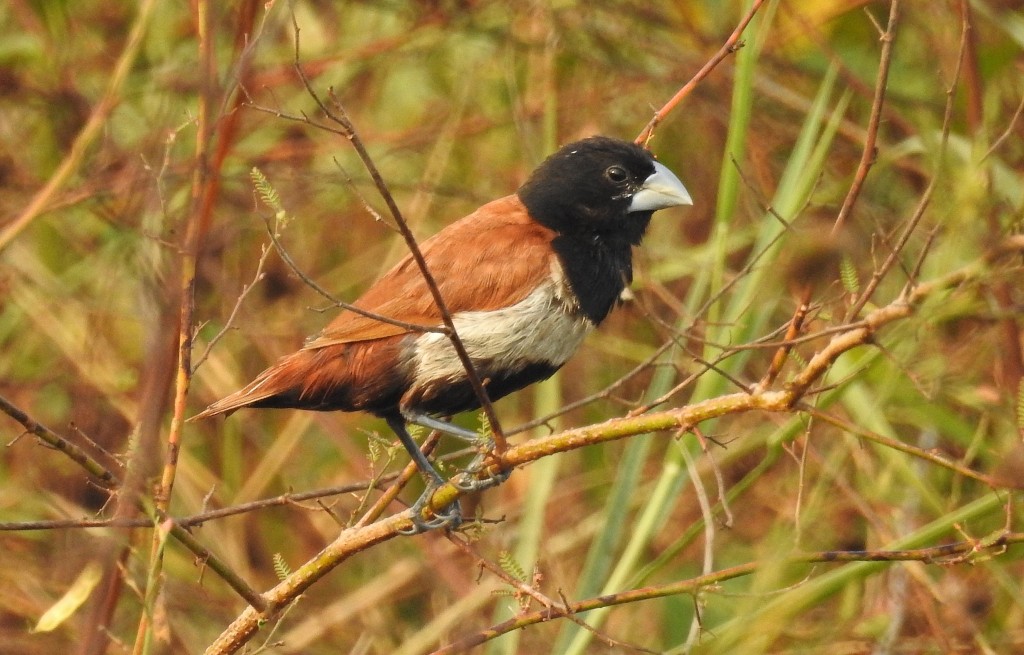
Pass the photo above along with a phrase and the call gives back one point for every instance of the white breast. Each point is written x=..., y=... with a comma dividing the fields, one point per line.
x=541, y=328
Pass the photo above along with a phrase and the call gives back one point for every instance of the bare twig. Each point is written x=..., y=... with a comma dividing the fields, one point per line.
x=902, y=446
x=402, y=479
x=290, y=498
x=215, y=117
x=711, y=581
x=603, y=393
x=339, y=116
x=867, y=158
x=203, y=192
x=246, y=290
x=312, y=284
x=1008, y=131
x=731, y=45
x=708, y=563
x=111, y=480
x=523, y=588
x=926, y=197
x=792, y=332
x=105, y=477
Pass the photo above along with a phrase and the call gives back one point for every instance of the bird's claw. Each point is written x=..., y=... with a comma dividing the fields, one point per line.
x=470, y=482
x=449, y=518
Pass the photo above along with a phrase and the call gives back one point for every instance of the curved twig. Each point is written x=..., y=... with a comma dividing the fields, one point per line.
x=339, y=116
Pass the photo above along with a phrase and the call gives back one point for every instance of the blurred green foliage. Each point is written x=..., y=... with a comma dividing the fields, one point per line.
x=457, y=101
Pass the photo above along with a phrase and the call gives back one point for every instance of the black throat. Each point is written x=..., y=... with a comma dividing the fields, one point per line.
x=600, y=265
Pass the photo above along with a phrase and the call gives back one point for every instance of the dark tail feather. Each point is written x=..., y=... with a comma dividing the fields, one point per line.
x=262, y=388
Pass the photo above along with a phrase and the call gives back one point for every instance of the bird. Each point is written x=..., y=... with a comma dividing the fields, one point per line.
x=525, y=278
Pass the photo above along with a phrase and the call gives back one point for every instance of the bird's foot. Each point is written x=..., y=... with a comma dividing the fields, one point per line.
x=449, y=518
x=471, y=481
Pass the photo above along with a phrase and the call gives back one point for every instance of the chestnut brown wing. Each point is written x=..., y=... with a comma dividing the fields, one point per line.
x=490, y=259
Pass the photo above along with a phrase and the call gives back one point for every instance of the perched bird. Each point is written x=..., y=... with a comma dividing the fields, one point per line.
x=525, y=277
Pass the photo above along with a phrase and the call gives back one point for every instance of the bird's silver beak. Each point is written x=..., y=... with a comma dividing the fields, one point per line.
x=662, y=189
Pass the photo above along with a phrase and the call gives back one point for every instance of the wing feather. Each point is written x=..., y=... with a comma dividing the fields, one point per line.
x=490, y=259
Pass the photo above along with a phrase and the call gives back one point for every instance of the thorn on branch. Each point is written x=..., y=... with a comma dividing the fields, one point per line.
x=17, y=438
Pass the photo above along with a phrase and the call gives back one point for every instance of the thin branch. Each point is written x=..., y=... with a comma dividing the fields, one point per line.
x=792, y=332
x=731, y=45
x=932, y=554
x=1009, y=130
x=110, y=480
x=246, y=290
x=523, y=588
x=341, y=118
x=290, y=498
x=407, y=473
x=353, y=541
x=312, y=284
x=604, y=393
x=870, y=152
x=204, y=190
x=710, y=531
x=104, y=476
x=926, y=197
x=902, y=446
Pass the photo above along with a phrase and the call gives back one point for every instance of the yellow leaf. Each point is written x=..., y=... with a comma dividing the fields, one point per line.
x=72, y=598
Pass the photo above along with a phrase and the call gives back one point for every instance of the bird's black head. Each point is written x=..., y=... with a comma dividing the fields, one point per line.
x=601, y=186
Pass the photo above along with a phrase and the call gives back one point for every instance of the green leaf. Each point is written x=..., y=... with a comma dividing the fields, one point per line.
x=72, y=599
x=509, y=565
x=848, y=274
x=281, y=568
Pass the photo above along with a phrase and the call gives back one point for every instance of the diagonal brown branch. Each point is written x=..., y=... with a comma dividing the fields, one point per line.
x=710, y=580
x=104, y=476
x=731, y=45
x=312, y=284
x=867, y=158
x=787, y=400
x=926, y=197
x=340, y=117
x=109, y=479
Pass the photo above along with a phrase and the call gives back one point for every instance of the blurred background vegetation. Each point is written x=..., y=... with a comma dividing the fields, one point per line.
x=457, y=102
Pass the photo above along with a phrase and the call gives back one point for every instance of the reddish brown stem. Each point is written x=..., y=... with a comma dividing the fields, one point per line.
x=731, y=45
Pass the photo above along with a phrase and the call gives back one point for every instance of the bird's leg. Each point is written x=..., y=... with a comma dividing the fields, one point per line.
x=451, y=517
x=432, y=423
x=472, y=484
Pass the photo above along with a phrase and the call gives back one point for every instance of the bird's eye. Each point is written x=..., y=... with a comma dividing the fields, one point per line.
x=616, y=174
